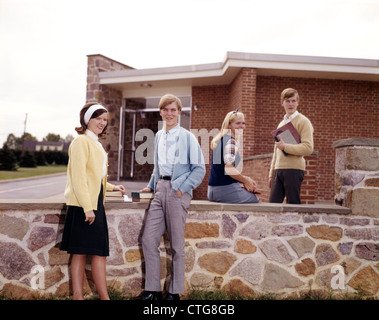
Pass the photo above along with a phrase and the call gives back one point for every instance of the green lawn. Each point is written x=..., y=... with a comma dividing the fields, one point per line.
x=32, y=172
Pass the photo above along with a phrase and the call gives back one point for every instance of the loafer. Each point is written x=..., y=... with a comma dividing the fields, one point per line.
x=172, y=296
x=151, y=295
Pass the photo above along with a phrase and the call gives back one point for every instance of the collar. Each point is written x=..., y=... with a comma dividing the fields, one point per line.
x=173, y=130
x=92, y=135
x=295, y=114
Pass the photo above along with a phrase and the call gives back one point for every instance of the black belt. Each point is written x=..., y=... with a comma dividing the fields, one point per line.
x=165, y=177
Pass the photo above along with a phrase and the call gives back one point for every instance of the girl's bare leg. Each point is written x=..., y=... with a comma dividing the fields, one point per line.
x=98, y=265
x=78, y=264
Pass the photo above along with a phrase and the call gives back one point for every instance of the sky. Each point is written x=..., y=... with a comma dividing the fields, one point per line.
x=44, y=44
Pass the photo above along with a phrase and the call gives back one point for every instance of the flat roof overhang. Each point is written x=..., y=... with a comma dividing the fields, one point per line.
x=224, y=72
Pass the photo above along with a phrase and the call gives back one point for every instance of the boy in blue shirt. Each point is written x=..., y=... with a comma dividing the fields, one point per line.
x=178, y=169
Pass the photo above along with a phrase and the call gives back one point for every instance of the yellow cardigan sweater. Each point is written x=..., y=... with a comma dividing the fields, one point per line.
x=296, y=153
x=84, y=173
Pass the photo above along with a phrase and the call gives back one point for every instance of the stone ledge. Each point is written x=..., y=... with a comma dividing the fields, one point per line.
x=196, y=205
x=203, y=205
x=356, y=142
x=269, y=155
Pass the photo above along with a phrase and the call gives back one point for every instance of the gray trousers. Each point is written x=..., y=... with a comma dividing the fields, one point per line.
x=231, y=193
x=167, y=211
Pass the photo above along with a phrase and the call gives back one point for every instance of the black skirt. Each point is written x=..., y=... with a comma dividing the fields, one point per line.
x=79, y=237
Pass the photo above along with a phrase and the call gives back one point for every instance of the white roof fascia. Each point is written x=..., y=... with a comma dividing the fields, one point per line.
x=316, y=64
x=370, y=68
x=159, y=74
x=301, y=59
x=306, y=67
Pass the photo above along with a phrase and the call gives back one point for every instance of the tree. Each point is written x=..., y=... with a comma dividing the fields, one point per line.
x=8, y=159
x=29, y=136
x=69, y=138
x=40, y=158
x=53, y=137
x=28, y=161
x=15, y=143
x=11, y=142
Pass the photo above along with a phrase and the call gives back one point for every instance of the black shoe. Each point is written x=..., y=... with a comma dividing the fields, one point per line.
x=151, y=295
x=171, y=296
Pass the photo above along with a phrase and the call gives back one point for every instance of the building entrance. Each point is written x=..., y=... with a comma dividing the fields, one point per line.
x=139, y=122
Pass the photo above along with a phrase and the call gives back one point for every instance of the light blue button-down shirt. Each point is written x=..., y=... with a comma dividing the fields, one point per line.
x=189, y=169
x=167, y=151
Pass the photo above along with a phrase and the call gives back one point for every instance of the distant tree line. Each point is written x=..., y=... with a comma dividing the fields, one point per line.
x=13, y=156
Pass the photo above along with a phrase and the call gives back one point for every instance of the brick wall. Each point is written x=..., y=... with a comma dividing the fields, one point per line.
x=309, y=186
x=214, y=102
x=111, y=98
x=258, y=168
x=338, y=109
x=242, y=96
x=213, y=105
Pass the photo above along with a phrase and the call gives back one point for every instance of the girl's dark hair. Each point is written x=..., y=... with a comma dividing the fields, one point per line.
x=83, y=127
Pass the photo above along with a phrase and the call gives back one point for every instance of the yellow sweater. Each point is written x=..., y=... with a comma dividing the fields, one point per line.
x=84, y=173
x=296, y=153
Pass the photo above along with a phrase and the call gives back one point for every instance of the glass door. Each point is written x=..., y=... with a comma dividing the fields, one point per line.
x=142, y=114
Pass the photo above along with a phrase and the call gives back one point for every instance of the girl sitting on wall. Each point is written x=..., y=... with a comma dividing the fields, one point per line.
x=226, y=183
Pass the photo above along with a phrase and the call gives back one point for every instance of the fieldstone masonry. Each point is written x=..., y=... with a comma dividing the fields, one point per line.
x=357, y=175
x=250, y=249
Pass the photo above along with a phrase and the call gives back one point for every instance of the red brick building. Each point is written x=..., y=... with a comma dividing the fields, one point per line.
x=340, y=96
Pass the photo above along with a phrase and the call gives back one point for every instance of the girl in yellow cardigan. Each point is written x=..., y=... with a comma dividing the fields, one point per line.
x=86, y=230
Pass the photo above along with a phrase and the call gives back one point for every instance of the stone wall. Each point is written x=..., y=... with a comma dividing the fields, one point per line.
x=255, y=249
x=357, y=175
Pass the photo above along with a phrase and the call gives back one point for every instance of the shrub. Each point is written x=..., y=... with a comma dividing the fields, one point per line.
x=27, y=160
x=8, y=159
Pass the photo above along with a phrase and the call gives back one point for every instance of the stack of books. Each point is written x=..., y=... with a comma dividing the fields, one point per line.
x=114, y=196
x=288, y=133
x=142, y=196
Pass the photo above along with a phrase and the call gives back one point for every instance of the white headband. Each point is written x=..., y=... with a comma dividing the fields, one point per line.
x=91, y=110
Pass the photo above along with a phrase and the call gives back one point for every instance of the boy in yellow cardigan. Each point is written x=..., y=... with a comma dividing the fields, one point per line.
x=288, y=163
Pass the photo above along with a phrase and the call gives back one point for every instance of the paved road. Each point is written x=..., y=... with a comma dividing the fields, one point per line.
x=34, y=188
x=48, y=187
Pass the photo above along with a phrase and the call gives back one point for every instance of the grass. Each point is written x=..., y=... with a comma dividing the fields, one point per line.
x=203, y=295
x=306, y=295
x=32, y=172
